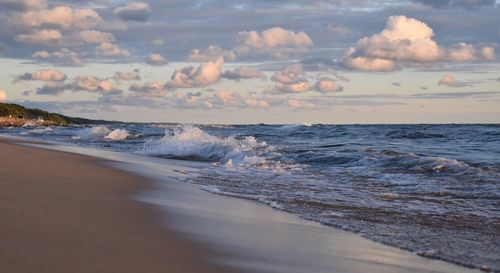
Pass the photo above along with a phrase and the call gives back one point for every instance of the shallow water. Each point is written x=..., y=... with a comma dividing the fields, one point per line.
x=432, y=189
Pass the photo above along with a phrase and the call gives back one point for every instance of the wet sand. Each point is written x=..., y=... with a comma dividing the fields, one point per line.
x=61, y=212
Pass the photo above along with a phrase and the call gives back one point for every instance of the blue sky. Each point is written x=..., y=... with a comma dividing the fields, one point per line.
x=316, y=61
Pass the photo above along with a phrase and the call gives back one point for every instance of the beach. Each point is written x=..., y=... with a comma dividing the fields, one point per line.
x=62, y=212
x=67, y=212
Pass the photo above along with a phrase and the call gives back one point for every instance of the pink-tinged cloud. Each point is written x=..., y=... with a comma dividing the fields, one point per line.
x=23, y=4
x=154, y=89
x=203, y=75
x=46, y=37
x=43, y=75
x=111, y=50
x=91, y=37
x=450, y=81
x=156, y=59
x=127, y=76
x=63, y=56
x=301, y=105
x=277, y=41
x=327, y=85
x=63, y=17
x=243, y=72
x=210, y=53
x=91, y=83
x=256, y=103
x=3, y=95
x=407, y=40
x=291, y=79
x=134, y=11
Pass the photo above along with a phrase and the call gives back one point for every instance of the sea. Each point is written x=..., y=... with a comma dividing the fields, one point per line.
x=430, y=189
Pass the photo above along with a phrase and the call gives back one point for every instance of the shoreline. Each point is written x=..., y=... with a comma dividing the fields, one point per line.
x=252, y=236
x=63, y=212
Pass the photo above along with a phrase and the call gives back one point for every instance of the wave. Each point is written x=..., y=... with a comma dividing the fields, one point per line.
x=414, y=163
x=101, y=132
x=118, y=134
x=191, y=143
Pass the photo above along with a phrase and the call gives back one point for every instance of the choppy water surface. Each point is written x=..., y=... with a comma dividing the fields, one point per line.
x=432, y=189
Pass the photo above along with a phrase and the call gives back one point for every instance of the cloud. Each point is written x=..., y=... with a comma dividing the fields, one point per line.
x=48, y=37
x=203, y=75
x=150, y=89
x=277, y=42
x=127, y=76
x=92, y=84
x=327, y=85
x=60, y=17
x=43, y=75
x=450, y=81
x=291, y=79
x=463, y=52
x=256, y=103
x=468, y=4
x=63, y=57
x=407, y=40
x=52, y=88
x=91, y=37
x=3, y=95
x=23, y=4
x=134, y=11
x=111, y=50
x=243, y=72
x=210, y=53
x=301, y=105
x=156, y=59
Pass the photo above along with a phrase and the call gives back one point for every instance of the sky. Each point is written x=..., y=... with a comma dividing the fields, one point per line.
x=254, y=61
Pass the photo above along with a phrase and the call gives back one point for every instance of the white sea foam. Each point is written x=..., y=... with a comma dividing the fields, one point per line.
x=188, y=141
x=96, y=132
x=118, y=134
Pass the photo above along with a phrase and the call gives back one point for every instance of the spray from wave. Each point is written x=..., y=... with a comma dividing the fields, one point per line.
x=101, y=132
x=190, y=142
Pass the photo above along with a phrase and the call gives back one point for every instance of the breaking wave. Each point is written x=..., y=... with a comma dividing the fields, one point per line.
x=191, y=143
x=101, y=132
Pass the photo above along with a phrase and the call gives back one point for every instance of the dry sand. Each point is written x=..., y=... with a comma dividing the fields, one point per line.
x=62, y=212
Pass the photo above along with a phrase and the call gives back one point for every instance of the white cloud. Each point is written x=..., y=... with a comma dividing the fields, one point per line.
x=3, y=95
x=156, y=59
x=450, y=81
x=243, y=72
x=327, y=85
x=134, y=11
x=277, y=42
x=299, y=104
x=407, y=40
x=43, y=75
x=111, y=50
x=210, y=53
x=203, y=75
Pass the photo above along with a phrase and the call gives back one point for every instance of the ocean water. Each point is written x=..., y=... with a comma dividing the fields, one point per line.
x=431, y=189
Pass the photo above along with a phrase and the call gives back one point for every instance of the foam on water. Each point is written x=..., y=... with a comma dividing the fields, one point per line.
x=190, y=142
x=118, y=134
x=411, y=186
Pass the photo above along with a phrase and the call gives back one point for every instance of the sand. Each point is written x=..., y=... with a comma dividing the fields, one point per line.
x=61, y=212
